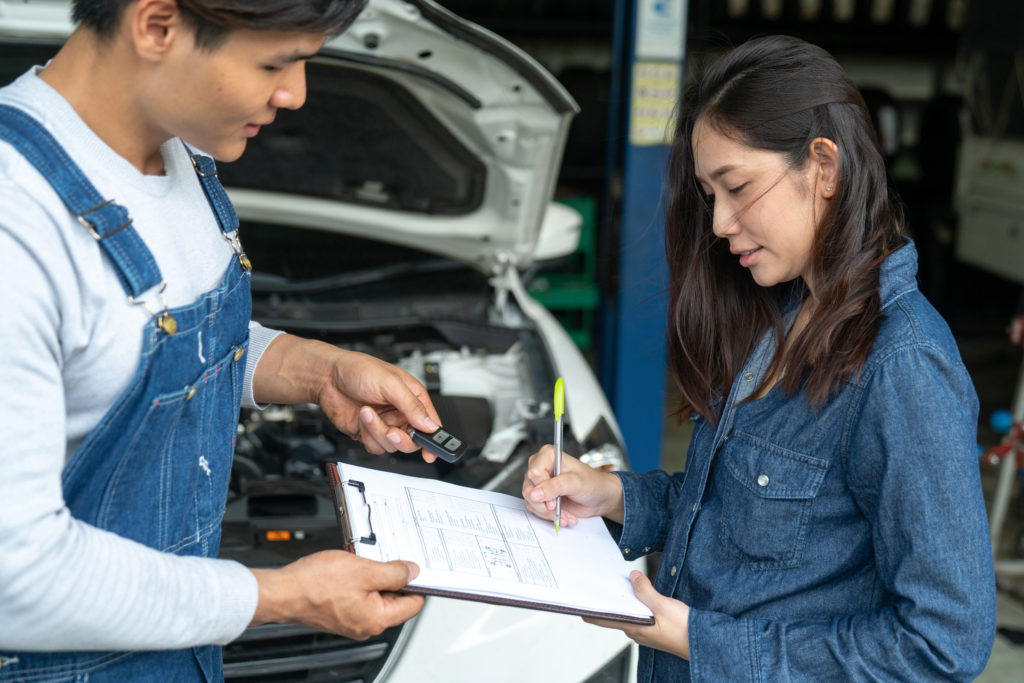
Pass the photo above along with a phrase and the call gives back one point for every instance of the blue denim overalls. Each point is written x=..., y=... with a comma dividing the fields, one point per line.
x=156, y=467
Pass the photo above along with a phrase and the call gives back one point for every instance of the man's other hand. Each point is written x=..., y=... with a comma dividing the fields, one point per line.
x=337, y=592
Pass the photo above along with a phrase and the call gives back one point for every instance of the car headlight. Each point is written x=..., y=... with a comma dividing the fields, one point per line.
x=604, y=451
x=607, y=457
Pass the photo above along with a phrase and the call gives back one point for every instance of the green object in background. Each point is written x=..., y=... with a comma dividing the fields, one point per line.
x=570, y=291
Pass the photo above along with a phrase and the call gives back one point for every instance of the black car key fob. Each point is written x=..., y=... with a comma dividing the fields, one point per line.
x=441, y=443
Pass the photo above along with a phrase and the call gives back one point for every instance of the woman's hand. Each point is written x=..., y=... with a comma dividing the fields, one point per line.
x=670, y=631
x=585, y=492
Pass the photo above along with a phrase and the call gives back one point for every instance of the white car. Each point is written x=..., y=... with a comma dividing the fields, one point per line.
x=395, y=214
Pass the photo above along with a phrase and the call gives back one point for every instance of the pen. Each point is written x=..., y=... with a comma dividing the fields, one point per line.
x=559, y=409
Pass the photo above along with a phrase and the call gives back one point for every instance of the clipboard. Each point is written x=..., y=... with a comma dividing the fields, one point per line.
x=482, y=546
x=344, y=514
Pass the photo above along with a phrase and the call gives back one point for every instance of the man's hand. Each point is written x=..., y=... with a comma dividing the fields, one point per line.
x=337, y=592
x=670, y=631
x=366, y=398
x=373, y=401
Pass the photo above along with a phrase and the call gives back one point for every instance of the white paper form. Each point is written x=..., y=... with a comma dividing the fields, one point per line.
x=486, y=544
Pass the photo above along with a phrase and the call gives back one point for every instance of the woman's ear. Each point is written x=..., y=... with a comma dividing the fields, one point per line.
x=824, y=160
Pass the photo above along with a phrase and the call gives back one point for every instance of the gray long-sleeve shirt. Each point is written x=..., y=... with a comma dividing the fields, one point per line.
x=71, y=343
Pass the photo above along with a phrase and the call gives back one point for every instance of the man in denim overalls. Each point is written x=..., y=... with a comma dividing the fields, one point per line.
x=127, y=349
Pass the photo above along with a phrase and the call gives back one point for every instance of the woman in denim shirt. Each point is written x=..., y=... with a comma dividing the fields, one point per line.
x=830, y=525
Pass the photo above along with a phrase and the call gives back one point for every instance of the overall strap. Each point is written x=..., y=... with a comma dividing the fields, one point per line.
x=206, y=169
x=107, y=221
x=227, y=219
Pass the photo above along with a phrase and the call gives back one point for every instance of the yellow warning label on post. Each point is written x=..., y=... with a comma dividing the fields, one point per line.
x=652, y=102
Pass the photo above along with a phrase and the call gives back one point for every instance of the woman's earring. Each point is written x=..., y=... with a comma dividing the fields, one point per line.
x=828, y=189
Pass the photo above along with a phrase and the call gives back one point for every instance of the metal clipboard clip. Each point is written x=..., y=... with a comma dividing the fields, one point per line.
x=345, y=514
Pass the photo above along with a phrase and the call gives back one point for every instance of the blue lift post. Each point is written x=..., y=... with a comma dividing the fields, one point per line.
x=649, y=50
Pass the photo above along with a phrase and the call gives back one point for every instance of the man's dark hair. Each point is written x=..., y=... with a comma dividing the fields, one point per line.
x=212, y=20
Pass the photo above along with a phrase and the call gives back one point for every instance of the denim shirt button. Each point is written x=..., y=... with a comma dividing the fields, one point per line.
x=672, y=572
x=762, y=480
x=748, y=376
x=626, y=551
x=647, y=549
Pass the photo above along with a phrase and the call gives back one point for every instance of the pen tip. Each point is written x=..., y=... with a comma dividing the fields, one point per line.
x=556, y=527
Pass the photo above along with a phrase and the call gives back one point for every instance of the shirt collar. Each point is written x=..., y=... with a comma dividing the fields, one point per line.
x=898, y=273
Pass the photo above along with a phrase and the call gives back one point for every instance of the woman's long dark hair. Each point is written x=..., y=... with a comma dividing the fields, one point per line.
x=779, y=94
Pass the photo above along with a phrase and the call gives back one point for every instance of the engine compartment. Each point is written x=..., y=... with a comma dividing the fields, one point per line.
x=482, y=379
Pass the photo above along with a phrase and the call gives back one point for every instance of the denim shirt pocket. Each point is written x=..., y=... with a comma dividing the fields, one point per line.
x=767, y=493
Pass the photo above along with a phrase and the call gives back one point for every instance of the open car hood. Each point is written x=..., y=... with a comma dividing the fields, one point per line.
x=419, y=128
x=422, y=129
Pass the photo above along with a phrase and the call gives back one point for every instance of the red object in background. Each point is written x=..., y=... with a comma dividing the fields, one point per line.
x=1016, y=330
x=1012, y=443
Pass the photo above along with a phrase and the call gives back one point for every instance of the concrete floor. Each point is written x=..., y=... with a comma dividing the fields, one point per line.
x=994, y=364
